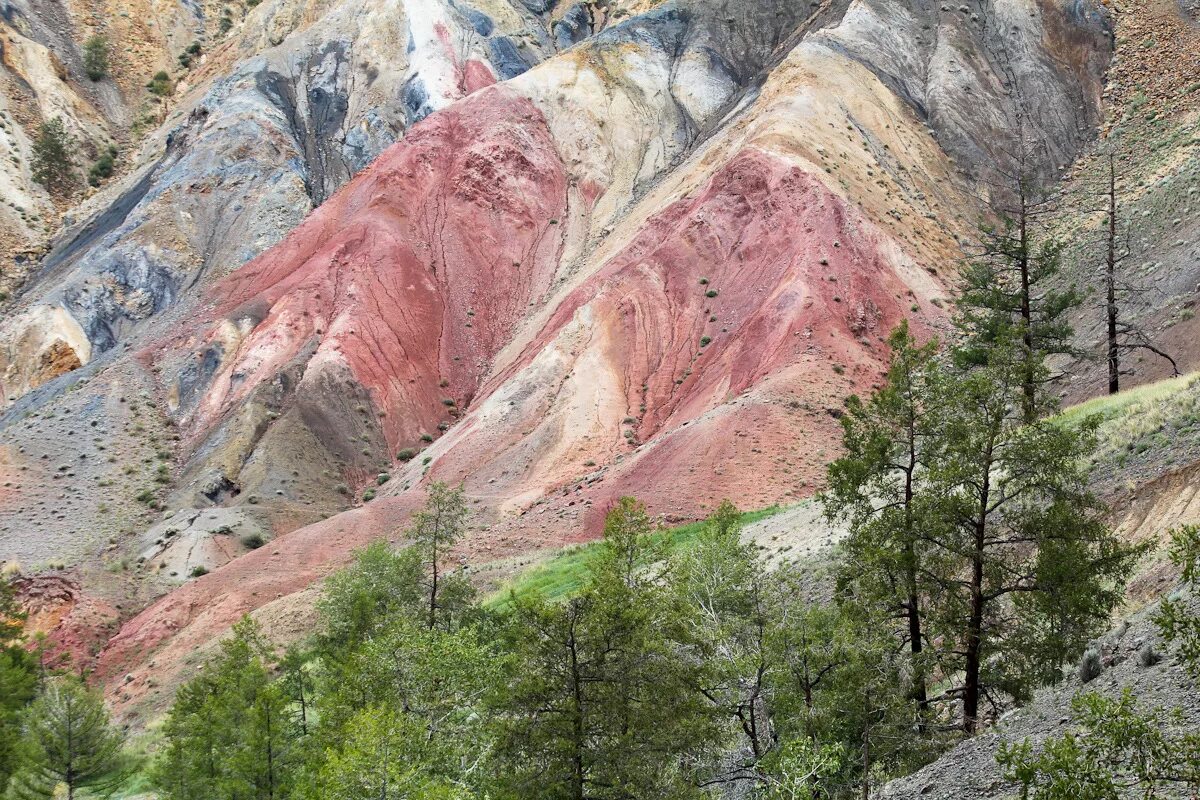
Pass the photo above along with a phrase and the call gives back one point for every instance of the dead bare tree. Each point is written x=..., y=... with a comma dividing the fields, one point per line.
x=1121, y=334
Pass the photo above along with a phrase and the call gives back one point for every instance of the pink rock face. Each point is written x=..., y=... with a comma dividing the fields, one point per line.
x=413, y=275
x=718, y=387
x=799, y=285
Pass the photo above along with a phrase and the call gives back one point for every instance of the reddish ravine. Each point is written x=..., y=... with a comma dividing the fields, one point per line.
x=800, y=286
x=413, y=275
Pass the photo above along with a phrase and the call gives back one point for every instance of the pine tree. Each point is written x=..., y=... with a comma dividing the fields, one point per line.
x=231, y=733
x=51, y=161
x=880, y=488
x=18, y=679
x=1025, y=569
x=68, y=740
x=1007, y=292
x=435, y=530
x=600, y=705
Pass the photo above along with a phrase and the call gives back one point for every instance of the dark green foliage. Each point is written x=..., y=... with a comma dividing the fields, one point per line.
x=52, y=166
x=95, y=57
x=881, y=488
x=665, y=675
x=231, y=732
x=253, y=541
x=18, y=679
x=161, y=85
x=67, y=739
x=973, y=527
x=1120, y=752
x=1176, y=623
x=1008, y=291
x=103, y=167
x=1026, y=565
x=600, y=705
x=185, y=58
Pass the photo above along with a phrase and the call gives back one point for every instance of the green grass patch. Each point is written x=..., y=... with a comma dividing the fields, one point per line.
x=1110, y=406
x=563, y=575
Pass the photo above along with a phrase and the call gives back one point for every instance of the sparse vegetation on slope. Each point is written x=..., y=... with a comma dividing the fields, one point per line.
x=565, y=573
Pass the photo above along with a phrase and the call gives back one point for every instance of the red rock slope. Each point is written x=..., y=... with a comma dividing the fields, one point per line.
x=570, y=315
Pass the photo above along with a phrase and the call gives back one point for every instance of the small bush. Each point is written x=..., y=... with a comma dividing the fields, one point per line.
x=253, y=541
x=368, y=495
x=1089, y=666
x=407, y=454
x=199, y=570
x=705, y=340
x=1148, y=656
x=382, y=478
x=95, y=57
x=711, y=293
x=103, y=168
x=52, y=165
x=425, y=437
x=161, y=85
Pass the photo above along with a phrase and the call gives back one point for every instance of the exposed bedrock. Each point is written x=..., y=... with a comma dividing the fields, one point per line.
x=646, y=266
x=247, y=155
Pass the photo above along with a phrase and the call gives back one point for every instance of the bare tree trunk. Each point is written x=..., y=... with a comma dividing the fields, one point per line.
x=971, y=682
x=1110, y=282
x=866, y=753
x=1028, y=386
